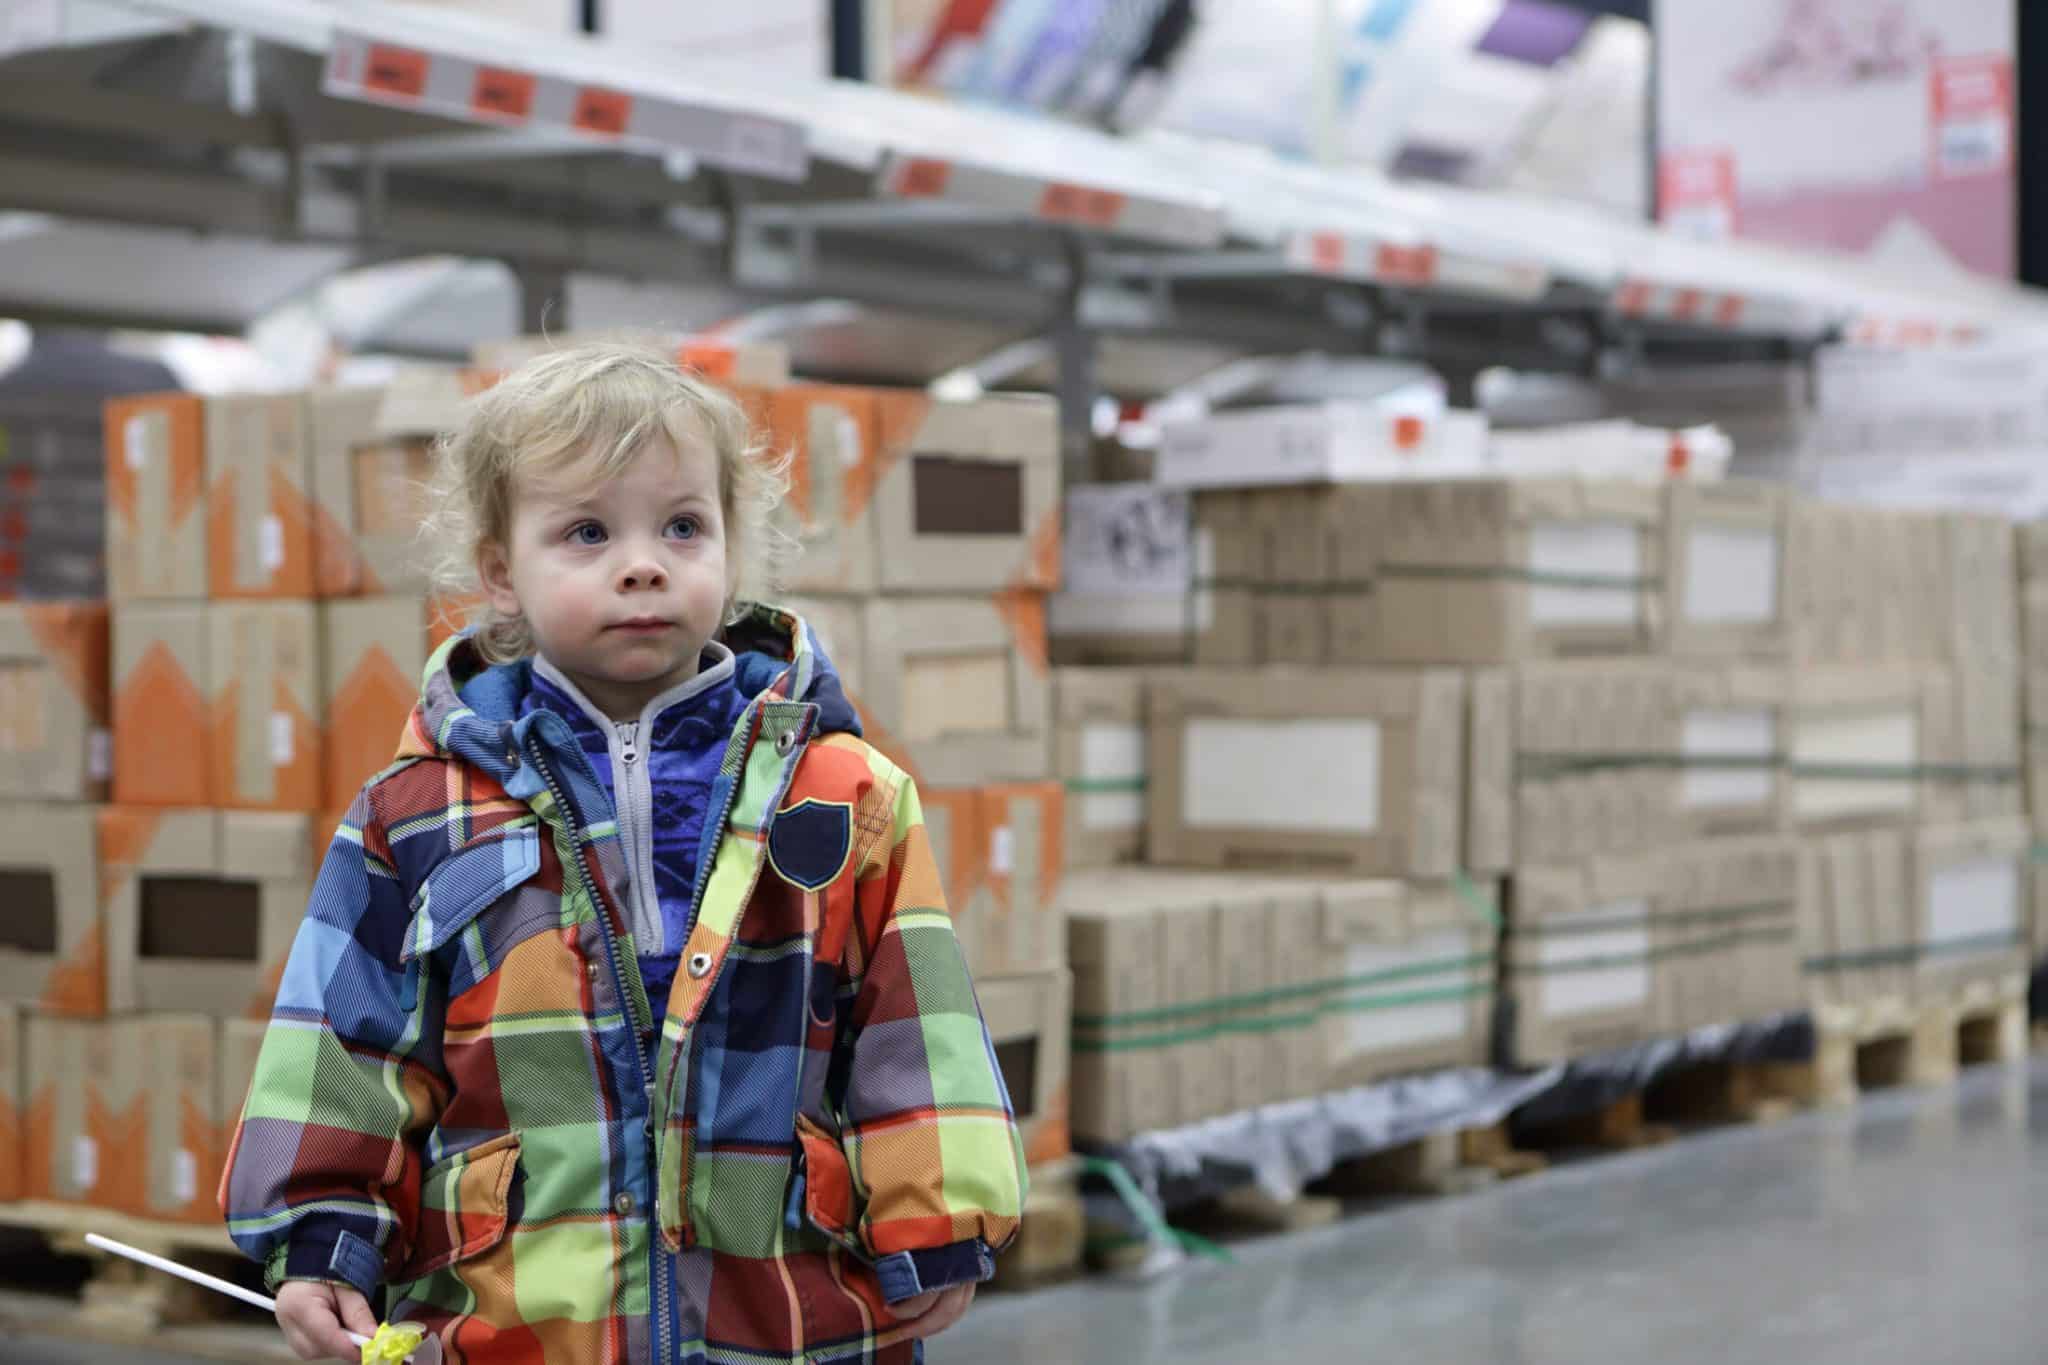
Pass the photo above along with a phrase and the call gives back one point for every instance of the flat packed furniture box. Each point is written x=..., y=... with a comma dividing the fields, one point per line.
x=1729, y=950
x=156, y=511
x=1971, y=901
x=1725, y=568
x=1579, y=964
x=259, y=505
x=1099, y=757
x=202, y=906
x=1413, y=967
x=1569, y=760
x=1859, y=746
x=55, y=700
x=124, y=1114
x=1028, y=1021
x=998, y=849
x=1499, y=571
x=1974, y=742
x=12, y=1107
x=1733, y=727
x=373, y=651
x=1329, y=771
x=1229, y=561
x=163, y=690
x=371, y=459
x=955, y=689
x=1856, y=916
x=268, y=710
x=52, y=938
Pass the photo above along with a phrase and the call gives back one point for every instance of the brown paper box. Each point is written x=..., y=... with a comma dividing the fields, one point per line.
x=373, y=653
x=1580, y=959
x=956, y=825
x=1490, y=771
x=955, y=689
x=202, y=906
x=1333, y=771
x=1982, y=610
x=832, y=435
x=1591, y=740
x=1028, y=1021
x=1242, y=953
x=1228, y=564
x=267, y=713
x=1724, y=583
x=1300, y=963
x=1099, y=755
x=52, y=938
x=1351, y=530
x=12, y=1101
x=967, y=495
x=1293, y=603
x=163, y=684
x=71, y=1150
x=156, y=477
x=177, y=1116
x=1858, y=737
x=259, y=515
x=55, y=700
x=998, y=851
x=1119, y=972
x=1417, y=970
x=1729, y=939
x=1973, y=742
x=1971, y=901
x=1496, y=571
x=1865, y=917
x=1732, y=732
x=2033, y=551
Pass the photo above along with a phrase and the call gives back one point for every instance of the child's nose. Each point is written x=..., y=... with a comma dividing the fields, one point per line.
x=641, y=574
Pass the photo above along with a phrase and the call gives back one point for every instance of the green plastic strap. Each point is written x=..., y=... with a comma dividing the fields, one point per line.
x=1281, y=995
x=1282, y=1022
x=1538, y=764
x=1105, y=786
x=1906, y=772
x=1538, y=577
x=1482, y=905
x=1914, y=952
x=1154, y=1223
x=2038, y=853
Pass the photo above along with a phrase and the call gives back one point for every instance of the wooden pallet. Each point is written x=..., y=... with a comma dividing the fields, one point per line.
x=1052, y=1234
x=1921, y=1040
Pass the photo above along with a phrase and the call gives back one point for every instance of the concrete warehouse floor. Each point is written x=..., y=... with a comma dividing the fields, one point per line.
x=1913, y=1228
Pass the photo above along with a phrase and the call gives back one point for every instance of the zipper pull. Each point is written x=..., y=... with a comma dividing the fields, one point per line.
x=629, y=743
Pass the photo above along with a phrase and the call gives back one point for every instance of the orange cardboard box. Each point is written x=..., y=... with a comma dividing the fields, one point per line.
x=1028, y=1020
x=11, y=1089
x=162, y=685
x=52, y=935
x=999, y=853
x=266, y=718
x=156, y=474
x=374, y=649
x=259, y=512
x=55, y=702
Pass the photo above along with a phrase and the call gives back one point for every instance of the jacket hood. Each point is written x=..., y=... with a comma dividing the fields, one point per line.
x=470, y=710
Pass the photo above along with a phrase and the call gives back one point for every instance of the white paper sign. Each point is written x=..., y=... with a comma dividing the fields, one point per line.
x=272, y=545
x=281, y=745
x=85, y=1162
x=1126, y=539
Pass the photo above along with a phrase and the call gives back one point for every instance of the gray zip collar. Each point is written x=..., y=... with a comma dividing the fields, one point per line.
x=633, y=789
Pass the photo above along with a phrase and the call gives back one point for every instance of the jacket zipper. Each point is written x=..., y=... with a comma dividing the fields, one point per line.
x=661, y=1285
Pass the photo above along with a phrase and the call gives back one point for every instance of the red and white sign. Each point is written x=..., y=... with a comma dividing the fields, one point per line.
x=1973, y=107
x=1696, y=194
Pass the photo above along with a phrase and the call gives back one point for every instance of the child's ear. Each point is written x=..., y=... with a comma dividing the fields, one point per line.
x=494, y=568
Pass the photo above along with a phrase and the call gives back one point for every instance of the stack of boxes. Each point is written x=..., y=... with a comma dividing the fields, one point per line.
x=175, y=762
x=52, y=490
x=2033, y=607
x=929, y=544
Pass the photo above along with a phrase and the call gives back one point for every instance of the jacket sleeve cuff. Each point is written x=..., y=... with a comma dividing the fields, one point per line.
x=329, y=1255
x=906, y=1274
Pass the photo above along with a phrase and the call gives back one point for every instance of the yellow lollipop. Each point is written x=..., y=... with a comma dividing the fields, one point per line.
x=394, y=1343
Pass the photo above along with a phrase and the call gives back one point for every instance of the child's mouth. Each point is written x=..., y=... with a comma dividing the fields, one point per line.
x=641, y=627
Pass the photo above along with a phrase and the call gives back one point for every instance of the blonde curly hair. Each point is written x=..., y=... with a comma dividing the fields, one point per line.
x=594, y=407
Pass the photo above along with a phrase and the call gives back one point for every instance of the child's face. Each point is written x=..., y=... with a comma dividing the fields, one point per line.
x=622, y=582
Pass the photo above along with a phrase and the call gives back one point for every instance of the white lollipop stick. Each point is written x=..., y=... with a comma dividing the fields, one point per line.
x=200, y=1278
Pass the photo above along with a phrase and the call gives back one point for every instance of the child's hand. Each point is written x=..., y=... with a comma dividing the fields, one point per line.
x=317, y=1319
x=931, y=1314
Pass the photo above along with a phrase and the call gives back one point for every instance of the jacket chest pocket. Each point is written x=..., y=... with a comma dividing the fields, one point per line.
x=448, y=909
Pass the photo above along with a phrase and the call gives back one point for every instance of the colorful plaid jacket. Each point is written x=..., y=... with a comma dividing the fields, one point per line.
x=454, y=1099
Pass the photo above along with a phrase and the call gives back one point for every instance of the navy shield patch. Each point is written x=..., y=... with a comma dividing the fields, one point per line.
x=808, y=843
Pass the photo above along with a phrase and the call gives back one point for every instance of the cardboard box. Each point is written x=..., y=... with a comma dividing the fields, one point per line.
x=1498, y=571
x=1099, y=756
x=241, y=1046
x=1579, y=963
x=1973, y=742
x=266, y=713
x=1414, y=966
x=56, y=704
x=1228, y=564
x=1733, y=728
x=832, y=436
x=1010, y=921
x=163, y=686
x=966, y=497
x=202, y=906
x=12, y=1102
x=1351, y=530
x=1971, y=901
x=1293, y=602
x=52, y=940
x=1724, y=580
x=1337, y=772
x=371, y=458
x=1028, y=1021
x=1126, y=574
x=1730, y=941
x=1298, y=1042
x=1857, y=916
x=1982, y=611
x=259, y=512
x=373, y=654
x=1400, y=435
x=955, y=689
x=156, y=475
x=1857, y=746
x=1570, y=760
x=123, y=1114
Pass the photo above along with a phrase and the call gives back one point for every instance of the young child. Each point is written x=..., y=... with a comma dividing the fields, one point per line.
x=627, y=1023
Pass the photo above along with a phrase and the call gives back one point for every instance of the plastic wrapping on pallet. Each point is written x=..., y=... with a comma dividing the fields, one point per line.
x=1599, y=1079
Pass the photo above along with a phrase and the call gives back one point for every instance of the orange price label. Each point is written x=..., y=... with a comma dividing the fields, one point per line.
x=1326, y=252
x=601, y=111
x=1686, y=306
x=1064, y=203
x=923, y=177
x=1634, y=299
x=396, y=71
x=502, y=94
x=1405, y=265
x=1730, y=311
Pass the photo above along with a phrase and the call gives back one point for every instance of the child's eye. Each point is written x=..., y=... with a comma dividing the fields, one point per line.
x=684, y=528
x=586, y=533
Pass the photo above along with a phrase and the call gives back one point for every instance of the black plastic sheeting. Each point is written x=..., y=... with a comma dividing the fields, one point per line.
x=2037, y=992
x=1284, y=1147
